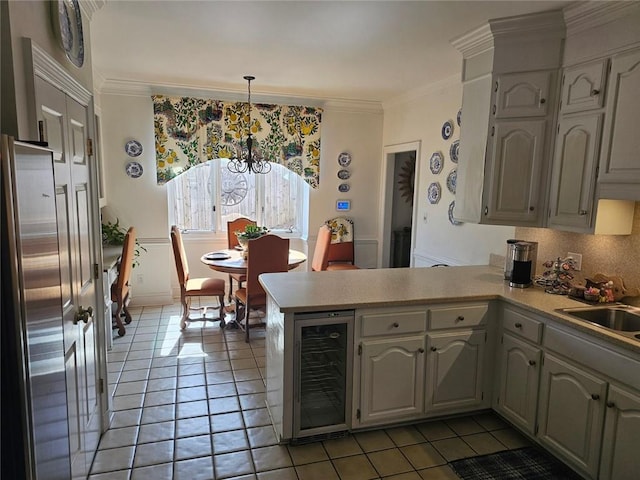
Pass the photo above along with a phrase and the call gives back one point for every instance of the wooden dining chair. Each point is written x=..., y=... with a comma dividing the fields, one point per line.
x=321, y=252
x=267, y=254
x=341, y=248
x=233, y=226
x=194, y=287
x=120, y=288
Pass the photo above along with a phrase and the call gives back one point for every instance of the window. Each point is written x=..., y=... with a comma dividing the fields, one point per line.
x=208, y=195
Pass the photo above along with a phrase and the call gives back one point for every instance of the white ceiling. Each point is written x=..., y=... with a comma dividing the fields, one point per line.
x=368, y=51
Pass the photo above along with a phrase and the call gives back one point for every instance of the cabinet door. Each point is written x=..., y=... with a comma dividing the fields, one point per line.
x=392, y=379
x=620, y=459
x=523, y=94
x=573, y=178
x=621, y=142
x=519, y=374
x=513, y=177
x=455, y=364
x=571, y=413
x=583, y=87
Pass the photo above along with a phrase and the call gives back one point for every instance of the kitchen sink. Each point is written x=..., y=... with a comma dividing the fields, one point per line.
x=620, y=318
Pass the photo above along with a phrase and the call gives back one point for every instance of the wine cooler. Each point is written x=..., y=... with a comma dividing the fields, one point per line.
x=323, y=371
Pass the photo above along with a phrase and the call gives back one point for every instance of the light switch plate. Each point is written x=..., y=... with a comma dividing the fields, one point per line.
x=577, y=260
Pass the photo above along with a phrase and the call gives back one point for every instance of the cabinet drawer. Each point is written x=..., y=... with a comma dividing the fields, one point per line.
x=521, y=325
x=394, y=323
x=457, y=316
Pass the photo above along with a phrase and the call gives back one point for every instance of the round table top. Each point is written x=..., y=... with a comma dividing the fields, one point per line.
x=231, y=261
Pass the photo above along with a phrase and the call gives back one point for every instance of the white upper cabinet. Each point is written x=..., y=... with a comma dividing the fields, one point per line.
x=509, y=102
x=523, y=94
x=583, y=87
x=619, y=157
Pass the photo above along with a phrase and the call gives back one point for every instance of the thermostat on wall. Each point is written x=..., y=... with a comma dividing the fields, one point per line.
x=343, y=205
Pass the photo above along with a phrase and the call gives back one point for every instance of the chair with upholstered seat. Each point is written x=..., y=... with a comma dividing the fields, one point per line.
x=341, y=249
x=266, y=254
x=120, y=288
x=321, y=252
x=194, y=287
x=234, y=226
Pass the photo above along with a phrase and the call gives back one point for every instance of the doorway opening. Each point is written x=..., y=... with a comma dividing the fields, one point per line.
x=400, y=174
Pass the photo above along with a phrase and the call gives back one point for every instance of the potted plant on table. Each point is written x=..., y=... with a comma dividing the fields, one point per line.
x=250, y=232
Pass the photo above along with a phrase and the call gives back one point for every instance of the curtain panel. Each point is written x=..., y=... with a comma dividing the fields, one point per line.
x=189, y=131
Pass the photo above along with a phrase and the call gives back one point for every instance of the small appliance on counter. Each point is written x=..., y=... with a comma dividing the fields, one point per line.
x=520, y=263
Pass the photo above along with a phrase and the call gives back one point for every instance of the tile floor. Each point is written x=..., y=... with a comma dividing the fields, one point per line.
x=191, y=405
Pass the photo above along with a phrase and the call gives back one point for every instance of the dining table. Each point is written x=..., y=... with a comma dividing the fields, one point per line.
x=231, y=260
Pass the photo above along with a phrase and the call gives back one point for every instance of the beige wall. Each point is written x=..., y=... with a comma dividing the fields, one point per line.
x=420, y=118
x=607, y=254
x=143, y=203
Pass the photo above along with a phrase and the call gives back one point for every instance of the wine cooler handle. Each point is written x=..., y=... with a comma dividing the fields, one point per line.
x=297, y=379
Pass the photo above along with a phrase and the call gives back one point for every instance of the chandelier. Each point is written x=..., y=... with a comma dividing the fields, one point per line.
x=248, y=157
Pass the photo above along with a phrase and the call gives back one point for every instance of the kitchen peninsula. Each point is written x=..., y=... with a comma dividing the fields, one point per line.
x=430, y=342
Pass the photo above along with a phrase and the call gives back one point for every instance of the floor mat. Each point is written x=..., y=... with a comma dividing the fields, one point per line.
x=527, y=463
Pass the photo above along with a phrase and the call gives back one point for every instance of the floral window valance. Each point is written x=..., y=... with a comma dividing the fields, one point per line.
x=190, y=131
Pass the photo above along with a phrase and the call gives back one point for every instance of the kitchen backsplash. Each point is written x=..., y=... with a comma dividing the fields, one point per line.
x=607, y=254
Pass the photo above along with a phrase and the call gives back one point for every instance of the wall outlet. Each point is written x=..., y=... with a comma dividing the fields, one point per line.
x=577, y=260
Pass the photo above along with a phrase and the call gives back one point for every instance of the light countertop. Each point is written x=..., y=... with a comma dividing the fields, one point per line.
x=387, y=287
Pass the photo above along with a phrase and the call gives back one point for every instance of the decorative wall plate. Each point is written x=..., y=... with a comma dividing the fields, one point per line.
x=435, y=162
x=344, y=187
x=69, y=24
x=452, y=180
x=459, y=117
x=433, y=193
x=454, y=150
x=133, y=148
x=447, y=129
x=344, y=159
x=134, y=169
x=452, y=220
x=344, y=174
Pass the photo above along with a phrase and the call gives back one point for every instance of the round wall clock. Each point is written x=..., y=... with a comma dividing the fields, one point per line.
x=68, y=23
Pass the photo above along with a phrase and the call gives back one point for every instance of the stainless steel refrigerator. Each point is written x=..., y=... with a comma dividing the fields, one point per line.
x=35, y=438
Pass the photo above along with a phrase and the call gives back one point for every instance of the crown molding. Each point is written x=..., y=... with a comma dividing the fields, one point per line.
x=423, y=91
x=146, y=89
x=89, y=7
x=582, y=16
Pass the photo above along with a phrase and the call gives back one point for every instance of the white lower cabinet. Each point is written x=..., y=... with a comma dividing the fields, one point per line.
x=455, y=369
x=571, y=413
x=518, y=388
x=620, y=459
x=392, y=382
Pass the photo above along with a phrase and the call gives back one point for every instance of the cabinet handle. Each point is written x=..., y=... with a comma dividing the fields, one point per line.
x=433, y=349
x=595, y=92
x=583, y=212
x=486, y=210
x=595, y=396
x=542, y=101
x=421, y=350
x=493, y=131
x=518, y=325
x=494, y=109
x=532, y=208
x=611, y=404
x=396, y=324
x=496, y=89
x=532, y=363
x=460, y=318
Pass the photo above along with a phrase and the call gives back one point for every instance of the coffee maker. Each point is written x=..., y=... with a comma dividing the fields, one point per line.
x=520, y=263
